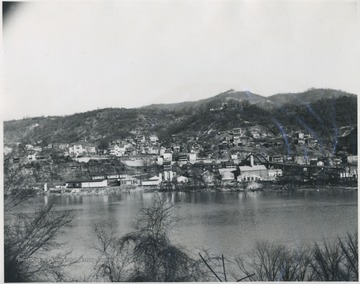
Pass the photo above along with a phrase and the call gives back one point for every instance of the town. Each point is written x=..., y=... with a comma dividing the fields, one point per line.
x=237, y=159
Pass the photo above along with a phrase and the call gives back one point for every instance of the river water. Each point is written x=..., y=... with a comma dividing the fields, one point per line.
x=226, y=223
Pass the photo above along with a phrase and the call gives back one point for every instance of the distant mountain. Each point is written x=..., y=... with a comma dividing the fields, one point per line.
x=319, y=111
x=309, y=96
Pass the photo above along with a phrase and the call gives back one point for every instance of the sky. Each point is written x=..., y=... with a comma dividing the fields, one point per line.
x=65, y=57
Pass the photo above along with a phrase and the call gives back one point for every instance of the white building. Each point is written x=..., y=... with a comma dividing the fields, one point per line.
x=182, y=179
x=116, y=150
x=167, y=156
x=153, y=181
x=192, y=157
x=254, y=173
x=168, y=175
x=153, y=138
x=274, y=173
x=77, y=150
x=227, y=174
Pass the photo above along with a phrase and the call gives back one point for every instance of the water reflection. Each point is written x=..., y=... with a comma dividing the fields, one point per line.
x=224, y=223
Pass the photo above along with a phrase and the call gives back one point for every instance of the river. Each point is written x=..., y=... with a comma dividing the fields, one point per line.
x=226, y=223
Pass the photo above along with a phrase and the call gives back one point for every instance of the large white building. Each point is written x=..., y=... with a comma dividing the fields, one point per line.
x=253, y=173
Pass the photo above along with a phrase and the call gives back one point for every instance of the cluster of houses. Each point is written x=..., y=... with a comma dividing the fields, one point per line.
x=218, y=145
x=140, y=145
x=185, y=159
x=208, y=173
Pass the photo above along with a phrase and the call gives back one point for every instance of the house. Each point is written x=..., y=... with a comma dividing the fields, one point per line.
x=154, y=150
x=192, y=157
x=234, y=157
x=176, y=148
x=162, y=150
x=320, y=164
x=182, y=179
x=153, y=138
x=237, y=131
x=37, y=149
x=352, y=160
x=237, y=141
x=91, y=150
x=227, y=174
x=255, y=135
x=61, y=146
x=7, y=150
x=300, y=141
x=274, y=173
x=167, y=156
x=140, y=139
x=182, y=157
x=16, y=160
x=37, y=157
x=112, y=176
x=195, y=148
x=229, y=165
x=29, y=147
x=301, y=160
x=208, y=178
x=128, y=180
x=31, y=158
x=299, y=135
x=98, y=177
x=159, y=161
x=77, y=150
x=82, y=159
x=117, y=150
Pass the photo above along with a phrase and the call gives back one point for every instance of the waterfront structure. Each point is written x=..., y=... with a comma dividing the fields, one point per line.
x=153, y=181
x=86, y=183
x=274, y=173
x=128, y=180
x=253, y=173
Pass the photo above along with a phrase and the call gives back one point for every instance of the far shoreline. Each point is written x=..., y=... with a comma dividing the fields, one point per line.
x=268, y=188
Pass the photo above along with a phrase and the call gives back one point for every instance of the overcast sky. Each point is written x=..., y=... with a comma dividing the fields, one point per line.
x=64, y=57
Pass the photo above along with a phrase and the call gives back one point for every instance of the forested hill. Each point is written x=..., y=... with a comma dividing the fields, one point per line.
x=319, y=111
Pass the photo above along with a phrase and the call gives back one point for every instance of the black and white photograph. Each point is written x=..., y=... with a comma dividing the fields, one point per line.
x=179, y=140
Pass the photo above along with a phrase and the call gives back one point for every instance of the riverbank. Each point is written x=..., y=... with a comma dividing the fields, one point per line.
x=269, y=187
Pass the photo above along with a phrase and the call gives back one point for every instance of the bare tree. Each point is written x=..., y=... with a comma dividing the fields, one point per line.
x=349, y=248
x=18, y=183
x=114, y=262
x=145, y=254
x=31, y=250
x=270, y=262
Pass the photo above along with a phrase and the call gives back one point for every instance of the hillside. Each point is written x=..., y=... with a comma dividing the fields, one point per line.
x=228, y=97
x=322, y=114
x=309, y=96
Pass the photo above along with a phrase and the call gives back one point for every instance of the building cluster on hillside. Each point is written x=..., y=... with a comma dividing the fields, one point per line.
x=218, y=158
